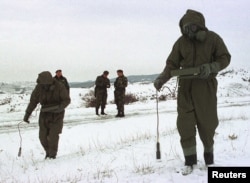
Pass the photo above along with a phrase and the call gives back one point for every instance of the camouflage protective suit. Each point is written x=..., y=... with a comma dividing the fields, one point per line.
x=120, y=85
x=197, y=100
x=53, y=97
x=102, y=83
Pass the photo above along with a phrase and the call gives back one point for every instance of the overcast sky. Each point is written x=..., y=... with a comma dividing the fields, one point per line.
x=86, y=37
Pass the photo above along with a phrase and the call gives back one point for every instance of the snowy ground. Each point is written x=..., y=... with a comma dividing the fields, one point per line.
x=107, y=149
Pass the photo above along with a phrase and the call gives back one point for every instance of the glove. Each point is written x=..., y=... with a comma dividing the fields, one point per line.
x=26, y=117
x=207, y=69
x=157, y=84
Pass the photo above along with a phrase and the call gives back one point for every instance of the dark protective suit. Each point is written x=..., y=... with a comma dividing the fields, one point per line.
x=102, y=83
x=197, y=101
x=120, y=85
x=53, y=97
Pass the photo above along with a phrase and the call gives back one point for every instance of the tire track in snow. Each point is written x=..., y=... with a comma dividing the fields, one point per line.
x=8, y=126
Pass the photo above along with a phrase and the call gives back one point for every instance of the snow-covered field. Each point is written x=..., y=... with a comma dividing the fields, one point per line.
x=107, y=149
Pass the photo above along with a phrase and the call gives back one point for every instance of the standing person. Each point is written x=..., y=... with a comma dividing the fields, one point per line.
x=54, y=98
x=197, y=100
x=120, y=85
x=62, y=79
x=101, y=84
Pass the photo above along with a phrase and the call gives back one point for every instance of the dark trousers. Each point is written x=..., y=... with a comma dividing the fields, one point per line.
x=101, y=99
x=51, y=125
x=120, y=100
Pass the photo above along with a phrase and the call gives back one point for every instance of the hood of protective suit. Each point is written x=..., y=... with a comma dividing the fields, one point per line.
x=194, y=17
x=45, y=78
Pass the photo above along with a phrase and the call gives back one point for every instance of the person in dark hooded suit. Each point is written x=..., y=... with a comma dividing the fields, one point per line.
x=199, y=48
x=54, y=98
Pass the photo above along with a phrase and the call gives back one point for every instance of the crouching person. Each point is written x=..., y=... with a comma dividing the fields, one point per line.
x=54, y=98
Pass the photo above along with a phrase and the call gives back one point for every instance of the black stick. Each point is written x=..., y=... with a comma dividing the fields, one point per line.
x=158, y=151
x=20, y=148
x=20, y=151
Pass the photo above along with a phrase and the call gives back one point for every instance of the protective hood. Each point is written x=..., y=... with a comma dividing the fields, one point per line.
x=194, y=17
x=45, y=78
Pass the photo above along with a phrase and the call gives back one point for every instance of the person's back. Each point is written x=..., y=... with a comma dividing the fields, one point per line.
x=102, y=83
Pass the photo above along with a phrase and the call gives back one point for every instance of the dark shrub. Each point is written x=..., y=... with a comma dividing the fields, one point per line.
x=89, y=98
x=130, y=98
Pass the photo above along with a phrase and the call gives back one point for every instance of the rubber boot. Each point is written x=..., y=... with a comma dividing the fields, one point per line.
x=191, y=160
x=97, y=111
x=122, y=114
x=209, y=158
x=102, y=111
x=53, y=157
x=118, y=114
